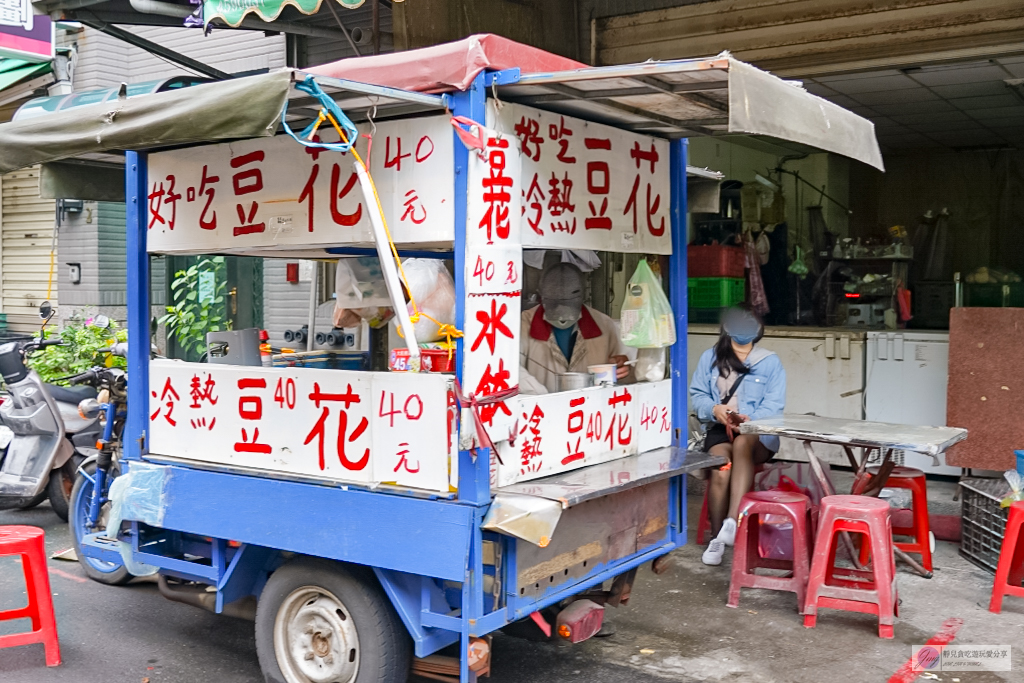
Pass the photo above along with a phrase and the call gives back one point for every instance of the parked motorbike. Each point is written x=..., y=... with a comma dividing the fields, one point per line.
x=50, y=439
x=90, y=505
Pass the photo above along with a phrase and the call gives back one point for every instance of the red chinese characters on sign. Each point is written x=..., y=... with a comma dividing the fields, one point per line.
x=491, y=382
x=497, y=186
x=337, y=215
x=655, y=418
x=160, y=198
x=414, y=209
x=561, y=134
x=250, y=407
x=528, y=131
x=168, y=397
x=493, y=324
x=319, y=431
x=619, y=433
x=531, y=457
x=534, y=202
x=598, y=186
x=412, y=411
x=575, y=426
x=247, y=179
x=202, y=393
x=640, y=155
x=207, y=218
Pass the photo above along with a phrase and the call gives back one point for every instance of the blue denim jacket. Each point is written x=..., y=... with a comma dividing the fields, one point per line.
x=762, y=393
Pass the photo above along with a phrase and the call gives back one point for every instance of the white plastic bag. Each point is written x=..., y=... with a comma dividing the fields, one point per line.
x=434, y=291
x=650, y=365
x=361, y=293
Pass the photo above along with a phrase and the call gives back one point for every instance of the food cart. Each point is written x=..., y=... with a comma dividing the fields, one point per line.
x=378, y=515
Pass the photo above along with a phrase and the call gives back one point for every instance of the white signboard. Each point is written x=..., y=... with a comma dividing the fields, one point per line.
x=493, y=280
x=589, y=186
x=573, y=429
x=358, y=427
x=273, y=192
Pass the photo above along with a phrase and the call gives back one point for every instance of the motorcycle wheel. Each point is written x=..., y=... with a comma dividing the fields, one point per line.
x=59, y=487
x=110, y=573
x=40, y=497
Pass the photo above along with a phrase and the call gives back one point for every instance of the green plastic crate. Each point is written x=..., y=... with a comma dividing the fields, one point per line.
x=990, y=294
x=715, y=292
x=704, y=316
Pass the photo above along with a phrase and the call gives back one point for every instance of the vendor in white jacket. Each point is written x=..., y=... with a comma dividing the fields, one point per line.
x=562, y=335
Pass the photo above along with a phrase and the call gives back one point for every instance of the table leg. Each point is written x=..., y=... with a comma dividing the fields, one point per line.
x=853, y=460
x=826, y=486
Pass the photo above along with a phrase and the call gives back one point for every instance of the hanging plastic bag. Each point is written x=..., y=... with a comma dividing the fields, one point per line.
x=647, y=320
x=650, y=365
x=432, y=287
x=361, y=293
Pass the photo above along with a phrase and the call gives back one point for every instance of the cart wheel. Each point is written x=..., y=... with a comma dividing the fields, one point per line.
x=110, y=573
x=40, y=497
x=320, y=622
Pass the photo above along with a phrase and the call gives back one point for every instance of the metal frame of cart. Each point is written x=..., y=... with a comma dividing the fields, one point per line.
x=450, y=575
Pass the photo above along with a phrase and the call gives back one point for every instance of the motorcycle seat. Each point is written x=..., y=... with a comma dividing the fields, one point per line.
x=71, y=395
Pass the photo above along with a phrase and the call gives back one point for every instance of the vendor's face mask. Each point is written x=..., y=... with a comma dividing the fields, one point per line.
x=561, y=293
x=742, y=328
x=562, y=314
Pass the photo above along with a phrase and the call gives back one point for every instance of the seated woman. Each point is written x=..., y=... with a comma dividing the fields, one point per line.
x=735, y=381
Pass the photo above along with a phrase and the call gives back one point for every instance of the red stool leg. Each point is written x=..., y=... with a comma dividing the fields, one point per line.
x=1010, y=548
x=801, y=559
x=744, y=550
x=922, y=527
x=822, y=557
x=704, y=522
x=880, y=532
x=43, y=599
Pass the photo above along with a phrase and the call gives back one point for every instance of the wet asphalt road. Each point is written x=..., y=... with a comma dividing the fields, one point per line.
x=131, y=633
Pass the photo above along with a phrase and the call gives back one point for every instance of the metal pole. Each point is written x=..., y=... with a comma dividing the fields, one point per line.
x=677, y=288
x=314, y=301
x=135, y=444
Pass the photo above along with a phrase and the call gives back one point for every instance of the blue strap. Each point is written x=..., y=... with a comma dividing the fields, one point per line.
x=311, y=87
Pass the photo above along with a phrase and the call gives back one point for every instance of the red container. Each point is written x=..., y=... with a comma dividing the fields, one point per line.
x=431, y=360
x=714, y=260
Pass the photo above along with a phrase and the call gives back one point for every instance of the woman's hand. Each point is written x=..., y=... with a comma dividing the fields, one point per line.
x=721, y=413
x=621, y=369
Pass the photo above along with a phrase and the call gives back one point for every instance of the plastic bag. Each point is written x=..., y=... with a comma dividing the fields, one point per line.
x=775, y=537
x=434, y=290
x=647, y=320
x=361, y=293
x=650, y=365
x=797, y=477
x=1016, y=483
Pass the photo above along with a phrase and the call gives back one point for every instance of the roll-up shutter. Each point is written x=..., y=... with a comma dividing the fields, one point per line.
x=26, y=227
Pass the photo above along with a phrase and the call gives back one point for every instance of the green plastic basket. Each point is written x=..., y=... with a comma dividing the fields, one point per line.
x=715, y=292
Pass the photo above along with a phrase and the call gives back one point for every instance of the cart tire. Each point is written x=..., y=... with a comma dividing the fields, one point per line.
x=319, y=621
x=110, y=573
x=40, y=497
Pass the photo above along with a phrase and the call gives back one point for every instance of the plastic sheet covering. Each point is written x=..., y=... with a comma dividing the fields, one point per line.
x=241, y=108
x=762, y=104
x=137, y=495
x=530, y=518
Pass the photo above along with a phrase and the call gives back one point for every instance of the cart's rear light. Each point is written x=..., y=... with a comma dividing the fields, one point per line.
x=852, y=295
x=579, y=621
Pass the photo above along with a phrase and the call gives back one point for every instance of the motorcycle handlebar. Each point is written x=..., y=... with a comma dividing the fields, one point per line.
x=84, y=378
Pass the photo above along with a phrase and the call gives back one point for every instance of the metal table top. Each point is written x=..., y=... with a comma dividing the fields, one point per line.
x=861, y=433
x=574, y=487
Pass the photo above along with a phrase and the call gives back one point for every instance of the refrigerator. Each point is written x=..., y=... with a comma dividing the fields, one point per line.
x=906, y=375
x=824, y=375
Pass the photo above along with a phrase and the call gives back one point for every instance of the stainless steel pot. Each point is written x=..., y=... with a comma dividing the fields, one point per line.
x=568, y=381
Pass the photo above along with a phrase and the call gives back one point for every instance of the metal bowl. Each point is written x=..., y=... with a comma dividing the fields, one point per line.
x=569, y=381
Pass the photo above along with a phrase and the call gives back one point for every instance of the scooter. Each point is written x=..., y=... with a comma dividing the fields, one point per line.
x=50, y=438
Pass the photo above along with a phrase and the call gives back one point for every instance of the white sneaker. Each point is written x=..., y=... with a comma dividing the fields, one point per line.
x=713, y=555
x=728, y=533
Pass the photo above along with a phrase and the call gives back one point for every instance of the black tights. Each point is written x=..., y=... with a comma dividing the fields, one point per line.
x=727, y=487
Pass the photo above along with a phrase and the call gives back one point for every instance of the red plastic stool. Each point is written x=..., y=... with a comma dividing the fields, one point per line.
x=747, y=554
x=915, y=481
x=871, y=591
x=27, y=541
x=1010, y=570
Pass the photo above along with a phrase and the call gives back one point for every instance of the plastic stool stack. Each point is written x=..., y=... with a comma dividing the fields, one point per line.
x=747, y=556
x=871, y=591
x=1010, y=570
x=915, y=481
x=27, y=541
